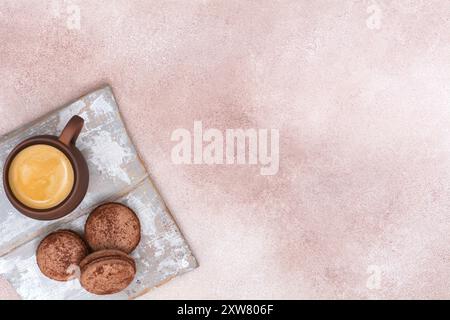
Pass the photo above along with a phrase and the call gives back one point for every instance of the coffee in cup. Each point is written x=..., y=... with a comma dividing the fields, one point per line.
x=41, y=176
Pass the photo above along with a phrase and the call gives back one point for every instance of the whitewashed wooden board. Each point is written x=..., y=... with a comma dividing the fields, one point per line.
x=116, y=174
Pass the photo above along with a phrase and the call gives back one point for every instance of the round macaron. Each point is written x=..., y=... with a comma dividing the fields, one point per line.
x=113, y=226
x=58, y=251
x=106, y=272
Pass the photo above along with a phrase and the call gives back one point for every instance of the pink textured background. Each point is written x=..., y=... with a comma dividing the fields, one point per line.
x=363, y=110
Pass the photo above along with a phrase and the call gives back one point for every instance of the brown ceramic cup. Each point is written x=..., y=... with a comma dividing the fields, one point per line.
x=66, y=144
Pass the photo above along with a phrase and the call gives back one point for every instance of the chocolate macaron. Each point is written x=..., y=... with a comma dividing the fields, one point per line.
x=107, y=253
x=58, y=252
x=113, y=226
x=107, y=272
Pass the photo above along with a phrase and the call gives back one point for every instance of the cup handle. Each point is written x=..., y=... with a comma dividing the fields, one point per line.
x=71, y=131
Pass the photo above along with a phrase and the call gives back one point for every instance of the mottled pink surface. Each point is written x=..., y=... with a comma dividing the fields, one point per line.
x=360, y=91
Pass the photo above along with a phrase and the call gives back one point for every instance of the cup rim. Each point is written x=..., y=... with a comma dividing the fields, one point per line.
x=57, y=211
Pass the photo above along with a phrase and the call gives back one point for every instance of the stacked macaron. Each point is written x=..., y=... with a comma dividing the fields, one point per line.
x=112, y=232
